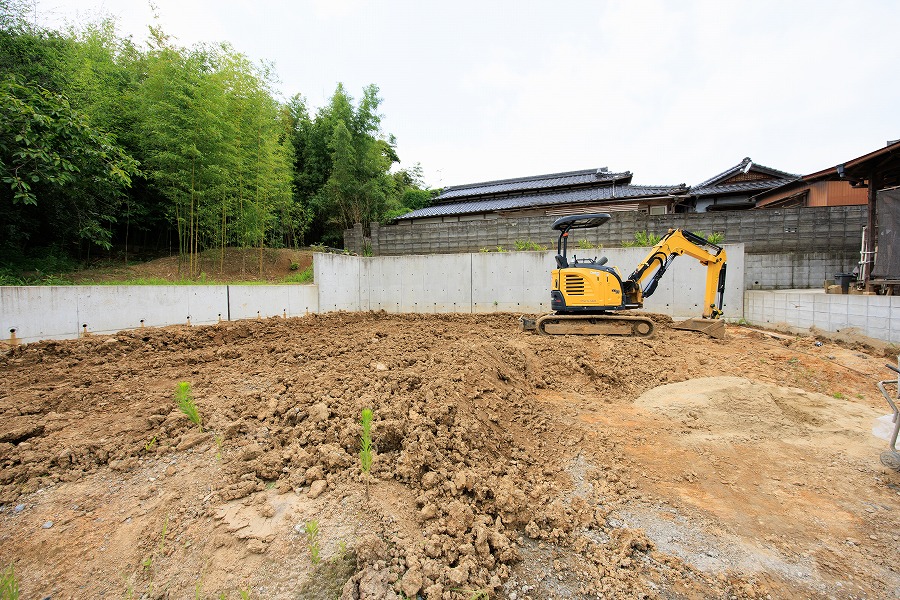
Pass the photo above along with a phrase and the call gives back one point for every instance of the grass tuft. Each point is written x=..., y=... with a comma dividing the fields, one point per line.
x=9, y=585
x=185, y=399
x=312, y=541
x=304, y=276
x=365, y=451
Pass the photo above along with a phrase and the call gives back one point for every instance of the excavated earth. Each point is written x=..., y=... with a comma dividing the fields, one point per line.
x=506, y=464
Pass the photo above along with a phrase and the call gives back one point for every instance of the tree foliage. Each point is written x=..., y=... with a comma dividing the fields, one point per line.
x=103, y=143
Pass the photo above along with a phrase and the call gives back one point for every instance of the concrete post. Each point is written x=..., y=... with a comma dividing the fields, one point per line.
x=373, y=237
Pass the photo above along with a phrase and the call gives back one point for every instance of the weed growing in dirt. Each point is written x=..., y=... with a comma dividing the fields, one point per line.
x=839, y=396
x=219, y=440
x=312, y=541
x=185, y=399
x=584, y=245
x=474, y=594
x=162, y=536
x=342, y=551
x=365, y=451
x=147, y=563
x=9, y=585
x=328, y=578
x=149, y=446
x=245, y=594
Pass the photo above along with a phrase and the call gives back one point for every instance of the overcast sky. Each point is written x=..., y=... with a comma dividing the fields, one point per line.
x=675, y=92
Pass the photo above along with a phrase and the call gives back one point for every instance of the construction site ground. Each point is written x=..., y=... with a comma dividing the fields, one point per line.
x=507, y=464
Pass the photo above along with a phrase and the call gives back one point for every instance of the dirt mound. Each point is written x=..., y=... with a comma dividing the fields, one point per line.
x=506, y=463
x=736, y=409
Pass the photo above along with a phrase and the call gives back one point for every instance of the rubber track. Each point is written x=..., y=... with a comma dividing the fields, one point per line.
x=634, y=322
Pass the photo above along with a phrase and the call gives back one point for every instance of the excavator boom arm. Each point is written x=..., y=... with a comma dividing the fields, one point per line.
x=675, y=243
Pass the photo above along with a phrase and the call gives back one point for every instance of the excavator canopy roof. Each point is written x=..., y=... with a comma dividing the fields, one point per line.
x=581, y=221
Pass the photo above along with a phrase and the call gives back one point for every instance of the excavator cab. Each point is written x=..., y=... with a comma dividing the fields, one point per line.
x=566, y=224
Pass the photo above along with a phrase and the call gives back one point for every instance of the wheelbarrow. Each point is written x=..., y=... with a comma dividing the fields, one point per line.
x=891, y=457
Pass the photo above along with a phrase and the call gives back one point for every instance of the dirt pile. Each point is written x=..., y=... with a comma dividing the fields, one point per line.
x=506, y=463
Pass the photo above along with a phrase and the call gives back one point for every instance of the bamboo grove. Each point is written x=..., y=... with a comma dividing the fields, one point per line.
x=107, y=144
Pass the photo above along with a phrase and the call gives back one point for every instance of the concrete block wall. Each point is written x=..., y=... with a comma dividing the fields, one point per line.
x=500, y=282
x=60, y=312
x=813, y=229
x=877, y=317
x=796, y=270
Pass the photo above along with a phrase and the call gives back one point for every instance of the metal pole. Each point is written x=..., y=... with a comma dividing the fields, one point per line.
x=870, y=231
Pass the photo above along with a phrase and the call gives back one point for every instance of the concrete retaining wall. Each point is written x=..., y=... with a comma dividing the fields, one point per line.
x=876, y=317
x=500, y=282
x=60, y=312
x=476, y=282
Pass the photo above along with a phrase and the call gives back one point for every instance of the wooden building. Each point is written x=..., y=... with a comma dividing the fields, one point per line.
x=803, y=192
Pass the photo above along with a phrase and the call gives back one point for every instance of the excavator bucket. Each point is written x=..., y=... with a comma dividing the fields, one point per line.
x=711, y=327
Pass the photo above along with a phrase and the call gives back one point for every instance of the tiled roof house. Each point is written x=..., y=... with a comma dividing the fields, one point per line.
x=595, y=190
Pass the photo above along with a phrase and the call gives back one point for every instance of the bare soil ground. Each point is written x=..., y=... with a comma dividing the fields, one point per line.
x=508, y=465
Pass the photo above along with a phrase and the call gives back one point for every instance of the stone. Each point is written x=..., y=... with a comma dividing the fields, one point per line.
x=411, y=583
x=318, y=412
x=317, y=487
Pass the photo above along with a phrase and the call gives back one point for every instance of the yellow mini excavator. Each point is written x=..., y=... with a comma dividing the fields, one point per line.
x=586, y=291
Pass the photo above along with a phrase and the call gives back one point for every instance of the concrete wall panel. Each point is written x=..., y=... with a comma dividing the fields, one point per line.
x=38, y=313
x=447, y=286
x=501, y=282
x=338, y=277
x=250, y=301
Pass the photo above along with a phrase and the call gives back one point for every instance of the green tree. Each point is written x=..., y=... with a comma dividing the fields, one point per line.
x=51, y=158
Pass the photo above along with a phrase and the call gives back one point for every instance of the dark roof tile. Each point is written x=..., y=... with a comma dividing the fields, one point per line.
x=742, y=186
x=775, y=173
x=536, y=182
x=605, y=193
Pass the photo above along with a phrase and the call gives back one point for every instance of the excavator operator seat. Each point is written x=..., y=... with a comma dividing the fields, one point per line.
x=561, y=262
